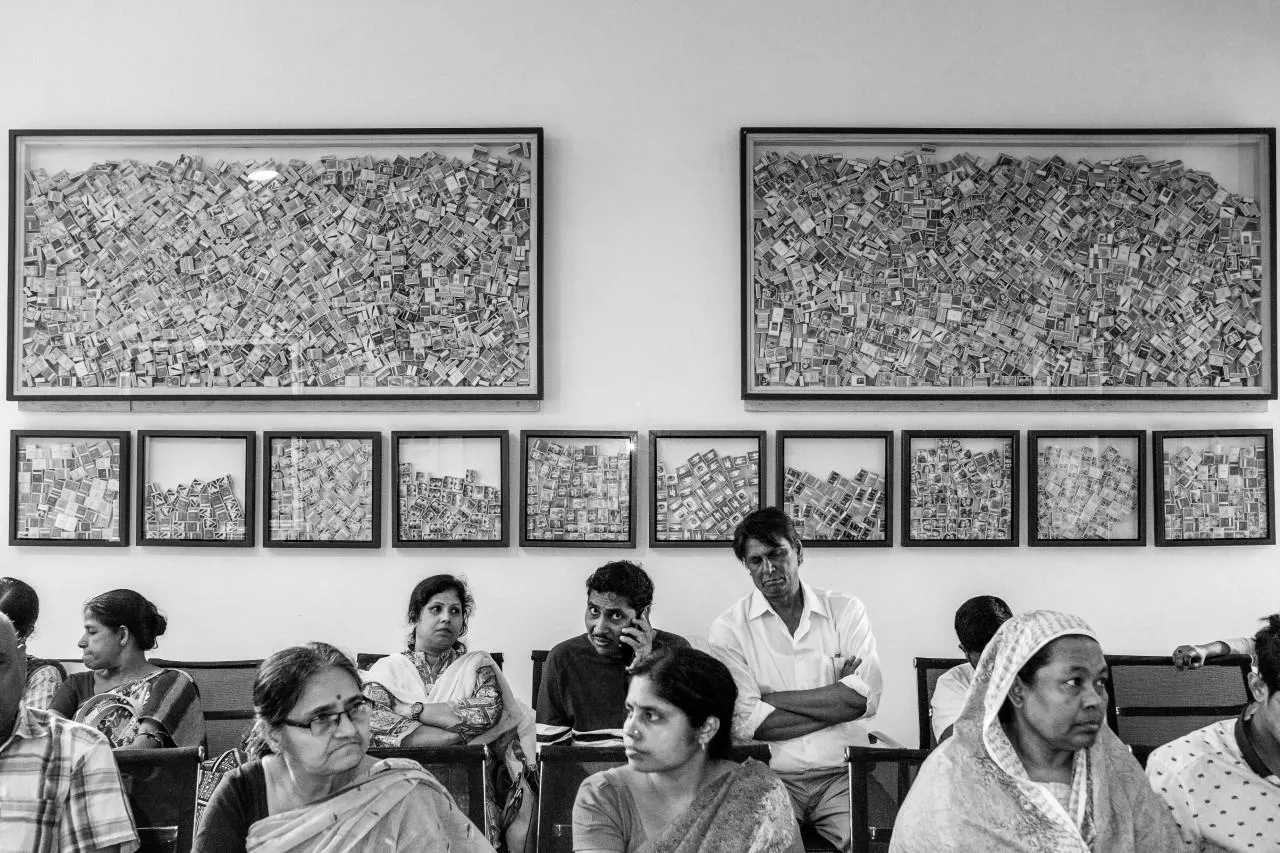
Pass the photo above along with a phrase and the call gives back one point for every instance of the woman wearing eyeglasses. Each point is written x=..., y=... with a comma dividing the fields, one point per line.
x=317, y=789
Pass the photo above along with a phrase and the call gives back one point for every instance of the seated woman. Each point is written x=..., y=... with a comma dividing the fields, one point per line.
x=20, y=603
x=678, y=792
x=317, y=789
x=123, y=695
x=1032, y=765
x=437, y=693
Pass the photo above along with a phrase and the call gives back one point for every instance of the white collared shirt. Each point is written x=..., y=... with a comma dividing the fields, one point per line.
x=763, y=657
x=949, y=693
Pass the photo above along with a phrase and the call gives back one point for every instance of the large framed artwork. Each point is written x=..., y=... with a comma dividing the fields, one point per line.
x=451, y=489
x=578, y=489
x=953, y=264
x=701, y=484
x=836, y=485
x=196, y=488
x=322, y=489
x=1086, y=488
x=1214, y=487
x=69, y=487
x=960, y=487
x=269, y=265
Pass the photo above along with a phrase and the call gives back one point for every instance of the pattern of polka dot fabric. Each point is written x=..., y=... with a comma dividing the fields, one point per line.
x=1218, y=801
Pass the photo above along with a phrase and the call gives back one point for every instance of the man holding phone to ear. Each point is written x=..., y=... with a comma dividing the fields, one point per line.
x=584, y=680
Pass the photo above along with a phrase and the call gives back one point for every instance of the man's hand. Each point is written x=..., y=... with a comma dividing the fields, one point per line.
x=849, y=667
x=639, y=636
x=1189, y=657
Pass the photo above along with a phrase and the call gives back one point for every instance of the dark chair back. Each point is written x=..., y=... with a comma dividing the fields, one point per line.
x=1151, y=702
x=226, y=695
x=562, y=769
x=461, y=769
x=928, y=671
x=160, y=785
x=364, y=660
x=878, y=783
x=539, y=657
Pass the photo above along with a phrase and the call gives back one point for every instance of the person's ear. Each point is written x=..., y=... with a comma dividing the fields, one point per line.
x=1017, y=692
x=799, y=553
x=644, y=614
x=1258, y=687
x=123, y=634
x=707, y=731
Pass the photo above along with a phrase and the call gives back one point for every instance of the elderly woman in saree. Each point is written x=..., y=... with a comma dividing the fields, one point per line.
x=437, y=692
x=316, y=789
x=123, y=695
x=679, y=792
x=1032, y=767
x=20, y=603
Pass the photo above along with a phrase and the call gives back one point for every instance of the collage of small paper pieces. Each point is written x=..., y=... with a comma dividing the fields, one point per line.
x=195, y=510
x=321, y=489
x=960, y=493
x=706, y=496
x=911, y=273
x=68, y=489
x=836, y=507
x=1218, y=492
x=341, y=273
x=1084, y=494
x=578, y=490
x=443, y=507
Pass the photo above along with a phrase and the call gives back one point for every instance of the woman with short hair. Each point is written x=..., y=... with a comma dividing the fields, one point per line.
x=679, y=792
x=20, y=603
x=1032, y=766
x=135, y=703
x=316, y=789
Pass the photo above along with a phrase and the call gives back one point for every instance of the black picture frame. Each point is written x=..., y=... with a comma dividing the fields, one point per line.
x=944, y=478
x=1071, y=485
x=1174, y=521
x=734, y=501
x=216, y=505
x=544, y=448
x=842, y=500
x=19, y=498
x=449, y=502
x=890, y=263
x=323, y=471
x=450, y=299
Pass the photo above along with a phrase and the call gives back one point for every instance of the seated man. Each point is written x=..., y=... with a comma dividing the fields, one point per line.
x=807, y=671
x=977, y=621
x=584, y=680
x=60, y=789
x=1222, y=782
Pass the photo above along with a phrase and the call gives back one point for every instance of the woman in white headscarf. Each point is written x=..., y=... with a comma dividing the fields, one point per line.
x=1032, y=767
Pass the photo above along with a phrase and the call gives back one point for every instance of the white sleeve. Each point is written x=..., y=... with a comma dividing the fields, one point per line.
x=750, y=711
x=853, y=629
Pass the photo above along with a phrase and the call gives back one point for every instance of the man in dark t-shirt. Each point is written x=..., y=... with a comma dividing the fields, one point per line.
x=584, y=680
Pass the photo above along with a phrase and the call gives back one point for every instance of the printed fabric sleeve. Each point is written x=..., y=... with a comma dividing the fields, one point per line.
x=597, y=817
x=856, y=640
x=174, y=706
x=480, y=711
x=387, y=727
x=1168, y=785
x=749, y=711
x=42, y=686
x=96, y=814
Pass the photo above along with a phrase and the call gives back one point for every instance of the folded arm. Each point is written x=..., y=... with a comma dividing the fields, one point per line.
x=831, y=704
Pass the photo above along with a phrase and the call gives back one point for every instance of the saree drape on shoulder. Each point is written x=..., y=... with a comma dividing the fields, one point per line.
x=167, y=697
x=746, y=810
x=397, y=806
x=973, y=792
x=511, y=739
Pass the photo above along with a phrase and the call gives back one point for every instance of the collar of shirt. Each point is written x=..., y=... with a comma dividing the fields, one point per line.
x=24, y=726
x=1249, y=752
x=813, y=603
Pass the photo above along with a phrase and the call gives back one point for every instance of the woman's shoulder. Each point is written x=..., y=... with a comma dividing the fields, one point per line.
x=174, y=677
x=606, y=784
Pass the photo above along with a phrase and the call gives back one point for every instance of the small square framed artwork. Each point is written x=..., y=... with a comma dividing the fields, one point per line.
x=578, y=489
x=1086, y=488
x=323, y=489
x=69, y=487
x=1214, y=487
x=196, y=488
x=836, y=486
x=702, y=484
x=960, y=488
x=451, y=489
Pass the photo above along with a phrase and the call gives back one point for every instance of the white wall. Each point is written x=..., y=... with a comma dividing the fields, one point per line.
x=641, y=102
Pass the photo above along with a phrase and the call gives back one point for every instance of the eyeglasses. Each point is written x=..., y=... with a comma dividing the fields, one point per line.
x=321, y=725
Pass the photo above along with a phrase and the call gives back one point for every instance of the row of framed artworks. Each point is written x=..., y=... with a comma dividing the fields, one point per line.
x=876, y=263
x=578, y=488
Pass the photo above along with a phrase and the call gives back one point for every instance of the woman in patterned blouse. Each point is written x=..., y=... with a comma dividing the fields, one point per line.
x=20, y=603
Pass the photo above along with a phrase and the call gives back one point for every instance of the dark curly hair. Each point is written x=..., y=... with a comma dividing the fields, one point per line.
x=1266, y=645
x=626, y=579
x=771, y=526
x=20, y=603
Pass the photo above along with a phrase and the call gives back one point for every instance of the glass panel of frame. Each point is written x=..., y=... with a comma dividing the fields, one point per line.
x=1214, y=487
x=451, y=489
x=960, y=488
x=196, y=488
x=836, y=486
x=1086, y=488
x=951, y=264
x=69, y=487
x=246, y=264
x=578, y=489
x=702, y=484
x=323, y=489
